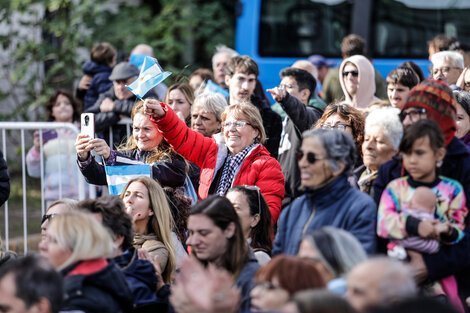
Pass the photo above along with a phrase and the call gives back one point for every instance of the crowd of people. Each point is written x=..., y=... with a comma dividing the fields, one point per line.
x=349, y=194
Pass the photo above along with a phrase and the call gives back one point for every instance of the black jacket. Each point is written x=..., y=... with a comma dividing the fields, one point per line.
x=170, y=173
x=101, y=291
x=272, y=123
x=4, y=180
x=299, y=119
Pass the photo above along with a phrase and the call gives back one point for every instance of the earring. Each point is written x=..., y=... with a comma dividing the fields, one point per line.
x=439, y=163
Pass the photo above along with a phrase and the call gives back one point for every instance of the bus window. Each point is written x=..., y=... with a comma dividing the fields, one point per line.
x=401, y=28
x=298, y=28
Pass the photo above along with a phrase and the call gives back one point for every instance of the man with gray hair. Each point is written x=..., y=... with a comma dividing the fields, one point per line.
x=379, y=281
x=219, y=61
x=447, y=66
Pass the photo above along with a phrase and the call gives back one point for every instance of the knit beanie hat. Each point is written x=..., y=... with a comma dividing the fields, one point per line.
x=436, y=97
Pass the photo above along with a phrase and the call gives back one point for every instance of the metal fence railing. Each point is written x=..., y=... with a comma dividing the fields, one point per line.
x=14, y=136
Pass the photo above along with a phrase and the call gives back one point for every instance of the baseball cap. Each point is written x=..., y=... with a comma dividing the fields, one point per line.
x=319, y=60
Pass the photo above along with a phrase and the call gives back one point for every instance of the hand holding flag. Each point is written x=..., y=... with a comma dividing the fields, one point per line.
x=151, y=74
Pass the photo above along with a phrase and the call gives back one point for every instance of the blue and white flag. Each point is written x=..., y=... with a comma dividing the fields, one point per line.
x=151, y=74
x=118, y=176
x=213, y=87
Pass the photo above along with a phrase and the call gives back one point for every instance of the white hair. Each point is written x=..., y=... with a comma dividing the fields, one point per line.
x=455, y=58
x=223, y=49
x=212, y=102
x=386, y=118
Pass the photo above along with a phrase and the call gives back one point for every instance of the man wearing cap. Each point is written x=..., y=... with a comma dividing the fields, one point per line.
x=433, y=99
x=323, y=65
x=116, y=102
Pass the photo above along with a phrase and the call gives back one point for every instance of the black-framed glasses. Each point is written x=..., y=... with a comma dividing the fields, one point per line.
x=311, y=157
x=414, y=114
x=256, y=188
x=46, y=217
x=354, y=73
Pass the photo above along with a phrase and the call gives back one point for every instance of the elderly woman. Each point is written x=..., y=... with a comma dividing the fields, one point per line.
x=338, y=252
x=463, y=116
x=206, y=113
x=383, y=132
x=146, y=145
x=79, y=246
x=234, y=157
x=326, y=159
x=344, y=117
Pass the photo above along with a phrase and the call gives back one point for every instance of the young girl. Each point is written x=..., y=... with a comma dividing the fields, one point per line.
x=422, y=148
x=60, y=167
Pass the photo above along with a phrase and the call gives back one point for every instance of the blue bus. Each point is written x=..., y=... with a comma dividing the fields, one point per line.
x=276, y=33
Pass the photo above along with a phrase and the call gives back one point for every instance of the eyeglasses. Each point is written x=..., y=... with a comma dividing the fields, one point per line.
x=353, y=73
x=236, y=124
x=46, y=217
x=443, y=70
x=414, y=114
x=339, y=126
x=311, y=157
x=266, y=285
x=256, y=188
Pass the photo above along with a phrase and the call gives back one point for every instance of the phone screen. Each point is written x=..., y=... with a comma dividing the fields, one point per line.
x=88, y=124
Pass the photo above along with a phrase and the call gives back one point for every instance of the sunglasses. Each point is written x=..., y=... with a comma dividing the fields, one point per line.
x=255, y=188
x=311, y=157
x=46, y=217
x=353, y=73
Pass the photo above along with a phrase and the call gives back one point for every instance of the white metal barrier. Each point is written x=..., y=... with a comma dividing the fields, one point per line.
x=22, y=127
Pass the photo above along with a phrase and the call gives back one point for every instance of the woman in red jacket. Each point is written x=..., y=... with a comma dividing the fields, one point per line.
x=236, y=156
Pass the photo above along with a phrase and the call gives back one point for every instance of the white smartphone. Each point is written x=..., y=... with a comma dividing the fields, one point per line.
x=88, y=124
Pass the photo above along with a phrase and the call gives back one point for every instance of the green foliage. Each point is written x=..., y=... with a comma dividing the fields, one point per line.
x=43, y=39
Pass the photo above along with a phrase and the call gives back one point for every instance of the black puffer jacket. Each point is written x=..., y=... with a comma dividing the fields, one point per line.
x=96, y=286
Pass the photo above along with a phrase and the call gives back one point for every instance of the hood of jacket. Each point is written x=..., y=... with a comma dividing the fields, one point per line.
x=366, y=85
x=92, y=68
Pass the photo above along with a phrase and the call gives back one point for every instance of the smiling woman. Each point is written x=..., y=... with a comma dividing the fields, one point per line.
x=234, y=157
x=146, y=145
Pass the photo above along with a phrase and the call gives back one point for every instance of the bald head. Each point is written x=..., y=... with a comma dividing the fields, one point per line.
x=143, y=49
x=306, y=66
x=379, y=281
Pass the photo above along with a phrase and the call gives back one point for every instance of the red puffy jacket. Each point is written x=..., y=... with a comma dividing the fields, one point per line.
x=258, y=168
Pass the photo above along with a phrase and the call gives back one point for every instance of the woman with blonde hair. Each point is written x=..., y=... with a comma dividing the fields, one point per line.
x=78, y=245
x=234, y=157
x=146, y=202
x=145, y=145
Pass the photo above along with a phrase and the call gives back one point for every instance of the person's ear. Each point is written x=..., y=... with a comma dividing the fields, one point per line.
x=151, y=212
x=255, y=220
x=304, y=94
x=230, y=230
x=440, y=154
x=118, y=240
x=341, y=167
x=227, y=80
x=42, y=306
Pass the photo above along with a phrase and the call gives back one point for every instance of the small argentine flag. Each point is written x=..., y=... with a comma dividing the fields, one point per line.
x=151, y=74
x=118, y=176
x=213, y=87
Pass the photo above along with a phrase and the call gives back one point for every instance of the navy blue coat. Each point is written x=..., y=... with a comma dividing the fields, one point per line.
x=99, y=83
x=336, y=204
x=102, y=291
x=171, y=173
x=140, y=276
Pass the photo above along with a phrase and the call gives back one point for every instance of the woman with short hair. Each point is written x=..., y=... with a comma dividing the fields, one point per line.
x=206, y=113
x=326, y=159
x=79, y=246
x=382, y=134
